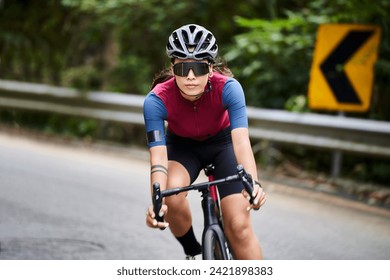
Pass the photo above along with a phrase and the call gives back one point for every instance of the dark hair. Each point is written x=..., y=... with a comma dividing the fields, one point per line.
x=165, y=74
x=221, y=67
x=162, y=76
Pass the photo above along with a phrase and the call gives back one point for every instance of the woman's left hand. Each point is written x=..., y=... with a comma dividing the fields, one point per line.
x=258, y=195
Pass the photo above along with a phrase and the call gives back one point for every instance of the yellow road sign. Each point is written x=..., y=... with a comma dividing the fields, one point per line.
x=342, y=75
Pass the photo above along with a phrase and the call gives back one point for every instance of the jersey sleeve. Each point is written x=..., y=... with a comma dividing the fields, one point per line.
x=155, y=114
x=233, y=100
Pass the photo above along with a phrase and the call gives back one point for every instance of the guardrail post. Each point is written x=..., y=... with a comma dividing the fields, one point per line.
x=337, y=158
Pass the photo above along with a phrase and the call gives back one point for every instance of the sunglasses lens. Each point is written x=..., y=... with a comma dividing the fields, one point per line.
x=181, y=69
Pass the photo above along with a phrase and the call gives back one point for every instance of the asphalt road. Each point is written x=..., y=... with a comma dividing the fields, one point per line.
x=71, y=202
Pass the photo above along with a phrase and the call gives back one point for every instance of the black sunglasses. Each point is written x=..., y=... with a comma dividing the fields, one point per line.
x=182, y=68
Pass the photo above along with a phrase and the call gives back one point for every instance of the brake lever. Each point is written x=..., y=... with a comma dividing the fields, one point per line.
x=246, y=181
x=157, y=202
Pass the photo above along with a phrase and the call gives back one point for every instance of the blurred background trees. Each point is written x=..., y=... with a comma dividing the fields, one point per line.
x=119, y=45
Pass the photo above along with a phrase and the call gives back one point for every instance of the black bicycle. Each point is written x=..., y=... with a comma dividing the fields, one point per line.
x=214, y=243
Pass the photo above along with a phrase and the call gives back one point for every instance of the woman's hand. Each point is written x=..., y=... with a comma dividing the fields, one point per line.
x=151, y=217
x=259, y=197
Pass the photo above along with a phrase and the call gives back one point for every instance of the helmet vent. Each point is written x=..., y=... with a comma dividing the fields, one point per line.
x=198, y=37
x=191, y=48
x=192, y=28
x=176, y=41
x=185, y=37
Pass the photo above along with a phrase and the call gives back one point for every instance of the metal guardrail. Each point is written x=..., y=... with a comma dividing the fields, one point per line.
x=335, y=133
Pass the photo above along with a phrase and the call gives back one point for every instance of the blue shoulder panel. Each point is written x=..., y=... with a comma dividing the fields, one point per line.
x=154, y=115
x=233, y=100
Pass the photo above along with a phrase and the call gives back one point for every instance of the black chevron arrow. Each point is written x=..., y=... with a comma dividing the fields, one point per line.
x=333, y=66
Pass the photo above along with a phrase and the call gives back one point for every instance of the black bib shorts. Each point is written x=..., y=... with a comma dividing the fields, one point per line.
x=194, y=155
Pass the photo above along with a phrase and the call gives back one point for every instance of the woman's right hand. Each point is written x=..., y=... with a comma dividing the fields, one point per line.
x=151, y=217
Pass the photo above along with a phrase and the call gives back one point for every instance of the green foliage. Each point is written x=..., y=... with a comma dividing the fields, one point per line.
x=123, y=40
x=272, y=58
x=130, y=68
x=83, y=77
x=297, y=103
x=367, y=169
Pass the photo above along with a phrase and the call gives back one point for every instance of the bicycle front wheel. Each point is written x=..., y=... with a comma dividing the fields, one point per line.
x=215, y=246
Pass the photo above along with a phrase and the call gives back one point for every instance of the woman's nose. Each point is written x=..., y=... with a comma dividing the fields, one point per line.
x=191, y=74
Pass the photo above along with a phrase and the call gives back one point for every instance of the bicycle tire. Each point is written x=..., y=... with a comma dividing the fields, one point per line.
x=215, y=246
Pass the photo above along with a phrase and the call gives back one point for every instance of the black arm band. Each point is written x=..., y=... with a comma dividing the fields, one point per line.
x=154, y=136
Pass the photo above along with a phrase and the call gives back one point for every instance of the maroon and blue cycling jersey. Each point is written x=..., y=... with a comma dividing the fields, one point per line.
x=222, y=105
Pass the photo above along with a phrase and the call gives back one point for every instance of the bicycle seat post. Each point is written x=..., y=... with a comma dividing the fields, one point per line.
x=209, y=170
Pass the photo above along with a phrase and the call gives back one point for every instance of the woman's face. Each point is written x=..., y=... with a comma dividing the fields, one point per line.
x=191, y=78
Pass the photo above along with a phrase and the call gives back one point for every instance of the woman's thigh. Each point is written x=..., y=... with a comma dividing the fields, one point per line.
x=182, y=161
x=226, y=165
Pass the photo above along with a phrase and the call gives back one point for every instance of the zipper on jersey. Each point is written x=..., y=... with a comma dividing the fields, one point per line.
x=195, y=108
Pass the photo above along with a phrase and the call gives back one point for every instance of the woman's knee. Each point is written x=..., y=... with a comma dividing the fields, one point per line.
x=178, y=177
x=236, y=218
x=238, y=228
x=176, y=202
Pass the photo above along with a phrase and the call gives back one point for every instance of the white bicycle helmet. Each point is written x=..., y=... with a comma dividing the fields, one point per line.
x=192, y=41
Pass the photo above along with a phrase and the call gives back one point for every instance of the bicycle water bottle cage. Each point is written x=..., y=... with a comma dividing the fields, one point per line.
x=209, y=169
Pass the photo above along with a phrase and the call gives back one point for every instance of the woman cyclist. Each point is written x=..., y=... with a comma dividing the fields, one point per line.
x=207, y=123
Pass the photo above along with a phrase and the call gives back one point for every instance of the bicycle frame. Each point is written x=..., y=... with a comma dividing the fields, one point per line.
x=213, y=224
x=209, y=171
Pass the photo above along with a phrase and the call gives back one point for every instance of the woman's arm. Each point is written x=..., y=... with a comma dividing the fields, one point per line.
x=244, y=155
x=158, y=174
x=159, y=166
x=243, y=150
